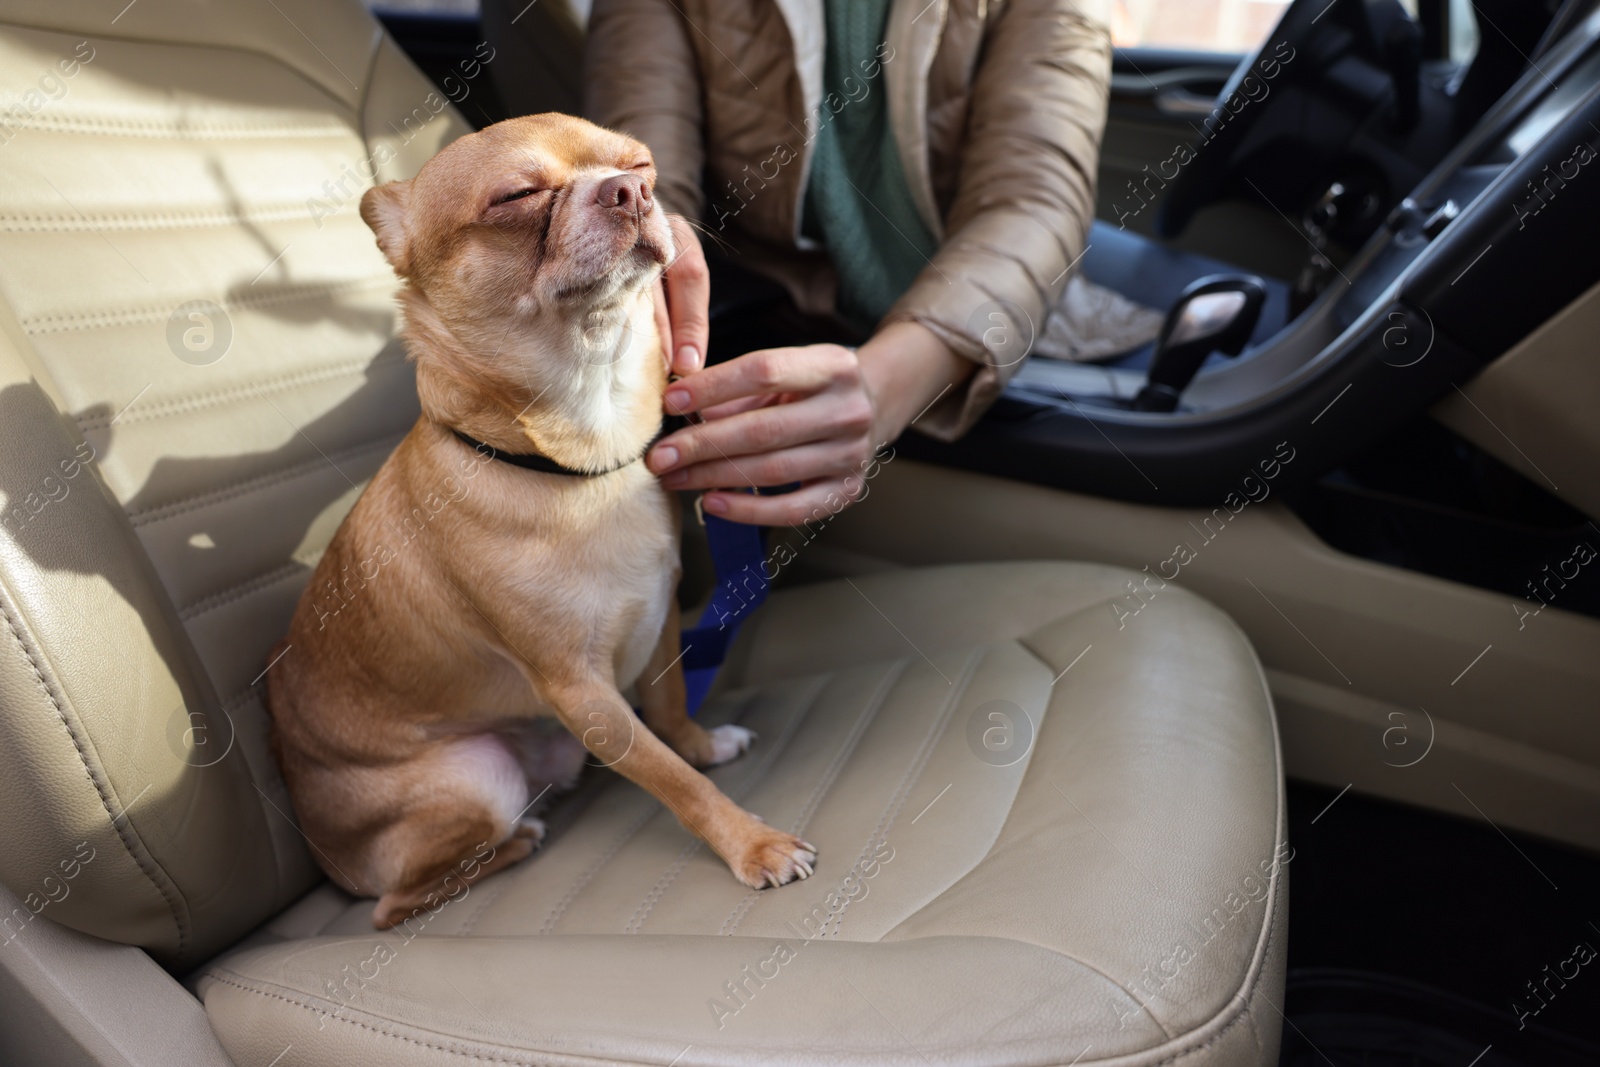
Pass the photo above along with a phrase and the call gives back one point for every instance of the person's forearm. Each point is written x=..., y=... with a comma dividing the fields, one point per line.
x=906, y=368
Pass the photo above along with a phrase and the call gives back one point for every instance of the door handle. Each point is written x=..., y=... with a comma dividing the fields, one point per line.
x=1181, y=103
x=1180, y=93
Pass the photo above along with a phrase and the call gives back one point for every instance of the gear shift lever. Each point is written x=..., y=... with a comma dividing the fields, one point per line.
x=1215, y=314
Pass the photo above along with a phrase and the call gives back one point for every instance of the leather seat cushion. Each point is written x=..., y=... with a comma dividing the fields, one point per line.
x=1107, y=888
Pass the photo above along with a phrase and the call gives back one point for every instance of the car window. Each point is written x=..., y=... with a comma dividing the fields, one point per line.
x=1238, y=26
x=1232, y=26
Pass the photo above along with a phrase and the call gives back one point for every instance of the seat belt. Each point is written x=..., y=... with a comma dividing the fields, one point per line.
x=738, y=556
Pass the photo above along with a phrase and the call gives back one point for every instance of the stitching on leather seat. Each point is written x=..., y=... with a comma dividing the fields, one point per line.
x=217, y=977
x=858, y=730
x=218, y=494
x=198, y=401
x=587, y=875
x=914, y=770
x=94, y=320
x=1244, y=999
x=296, y=567
x=1086, y=965
x=159, y=220
x=1241, y=998
x=1270, y=927
x=752, y=776
x=1048, y=665
x=186, y=130
x=842, y=757
x=488, y=897
x=125, y=829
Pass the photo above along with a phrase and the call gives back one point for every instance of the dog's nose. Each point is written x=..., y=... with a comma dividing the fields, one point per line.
x=629, y=192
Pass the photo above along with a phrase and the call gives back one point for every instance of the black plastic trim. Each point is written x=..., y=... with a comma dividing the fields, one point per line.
x=1152, y=60
x=1499, y=271
x=1358, y=399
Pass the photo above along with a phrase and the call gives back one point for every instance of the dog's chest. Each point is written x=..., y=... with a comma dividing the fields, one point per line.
x=601, y=565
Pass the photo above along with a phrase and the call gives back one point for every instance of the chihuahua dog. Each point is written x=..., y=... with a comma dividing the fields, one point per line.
x=513, y=561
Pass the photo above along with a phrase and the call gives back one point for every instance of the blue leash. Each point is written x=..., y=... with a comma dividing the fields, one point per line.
x=738, y=555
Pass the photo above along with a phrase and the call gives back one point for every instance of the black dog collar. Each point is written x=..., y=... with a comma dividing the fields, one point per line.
x=535, y=461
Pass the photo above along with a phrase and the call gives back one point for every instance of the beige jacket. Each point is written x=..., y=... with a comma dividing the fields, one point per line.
x=997, y=108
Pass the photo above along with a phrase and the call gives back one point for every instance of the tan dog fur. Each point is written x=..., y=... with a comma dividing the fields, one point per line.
x=463, y=598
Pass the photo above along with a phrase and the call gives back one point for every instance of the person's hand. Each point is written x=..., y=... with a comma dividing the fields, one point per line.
x=813, y=415
x=772, y=417
x=683, y=299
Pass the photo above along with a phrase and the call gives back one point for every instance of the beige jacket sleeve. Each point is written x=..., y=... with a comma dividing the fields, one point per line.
x=651, y=93
x=1025, y=197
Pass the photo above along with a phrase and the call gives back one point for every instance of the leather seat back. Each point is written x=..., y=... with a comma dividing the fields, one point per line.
x=197, y=374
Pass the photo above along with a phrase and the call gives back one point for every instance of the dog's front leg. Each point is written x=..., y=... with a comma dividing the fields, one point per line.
x=757, y=854
x=663, y=703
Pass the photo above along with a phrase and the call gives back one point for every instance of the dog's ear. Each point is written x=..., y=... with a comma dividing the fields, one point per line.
x=383, y=207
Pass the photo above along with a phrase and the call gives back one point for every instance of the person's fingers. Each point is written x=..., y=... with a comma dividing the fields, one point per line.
x=743, y=404
x=805, y=463
x=816, y=502
x=688, y=283
x=847, y=416
x=771, y=370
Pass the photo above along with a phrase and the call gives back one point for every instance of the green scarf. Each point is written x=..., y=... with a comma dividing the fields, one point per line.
x=858, y=202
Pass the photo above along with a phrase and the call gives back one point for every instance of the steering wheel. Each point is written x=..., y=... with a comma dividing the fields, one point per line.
x=1289, y=54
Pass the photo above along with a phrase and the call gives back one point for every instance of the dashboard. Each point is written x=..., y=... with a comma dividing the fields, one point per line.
x=1488, y=246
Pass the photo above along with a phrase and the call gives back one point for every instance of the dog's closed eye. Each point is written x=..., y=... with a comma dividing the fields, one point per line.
x=517, y=195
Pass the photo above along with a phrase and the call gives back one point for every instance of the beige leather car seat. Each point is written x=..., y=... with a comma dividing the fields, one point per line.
x=1048, y=835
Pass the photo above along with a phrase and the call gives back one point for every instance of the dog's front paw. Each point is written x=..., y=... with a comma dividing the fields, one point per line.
x=729, y=741
x=706, y=748
x=773, y=858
